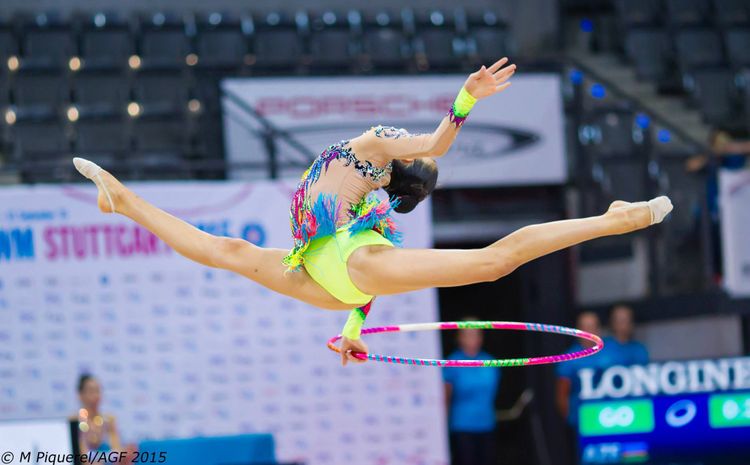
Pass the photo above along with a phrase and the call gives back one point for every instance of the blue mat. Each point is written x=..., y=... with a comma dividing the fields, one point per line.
x=246, y=449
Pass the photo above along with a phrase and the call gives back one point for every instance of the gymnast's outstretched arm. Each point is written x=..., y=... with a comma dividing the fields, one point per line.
x=383, y=143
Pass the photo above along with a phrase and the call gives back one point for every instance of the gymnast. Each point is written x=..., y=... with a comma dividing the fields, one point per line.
x=344, y=236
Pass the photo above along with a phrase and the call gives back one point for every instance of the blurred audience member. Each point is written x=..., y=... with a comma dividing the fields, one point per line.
x=97, y=432
x=731, y=154
x=567, y=381
x=620, y=348
x=568, y=384
x=470, y=397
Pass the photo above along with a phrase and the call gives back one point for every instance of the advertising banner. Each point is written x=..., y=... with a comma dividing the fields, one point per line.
x=184, y=350
x=513, y=138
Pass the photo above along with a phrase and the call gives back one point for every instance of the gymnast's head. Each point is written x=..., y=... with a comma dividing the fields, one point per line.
x=412, y=180
x=89, y=391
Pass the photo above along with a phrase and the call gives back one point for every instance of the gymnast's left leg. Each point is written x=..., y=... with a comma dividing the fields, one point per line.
x=382, y=270
x=262, y=265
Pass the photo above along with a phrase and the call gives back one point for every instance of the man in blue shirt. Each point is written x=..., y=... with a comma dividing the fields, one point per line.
x=620, y=348
x=568, y=384
x=470, y=395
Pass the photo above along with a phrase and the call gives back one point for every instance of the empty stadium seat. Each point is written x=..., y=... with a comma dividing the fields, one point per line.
x=102, y=138
x=729, y=12
x=159, y=136
x=698, y=47
x=163, y=42
x=650, y=52
x=206, y=91
x=100, y=94
x=437, y=42
x=38, y=95
x=737, y=42
x=624, y=180
x=4, y=93
x=8, y=43
x=688, y=12
x=638, y=12
x=221, y=41
x=159, y=166
x=714, y=94
x=106, y=42
x=37, y=141
x=488, y=38
x=207, y=147
x=160, y=93
x=277, y=45
x=384, y=43
x=608, y=132
x=333, y=44
x=46, y=44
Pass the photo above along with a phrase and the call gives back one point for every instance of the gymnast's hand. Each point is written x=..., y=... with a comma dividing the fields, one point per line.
x=490, y=81
x=352, y=345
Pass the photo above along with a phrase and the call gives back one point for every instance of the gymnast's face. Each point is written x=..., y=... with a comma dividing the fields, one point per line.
x=91, y=394
x=470, y=341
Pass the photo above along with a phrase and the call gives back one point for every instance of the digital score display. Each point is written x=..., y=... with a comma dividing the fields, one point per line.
x=695, y=413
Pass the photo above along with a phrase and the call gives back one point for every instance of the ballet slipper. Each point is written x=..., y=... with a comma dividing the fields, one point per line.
x=660, y=208
x=93, y=172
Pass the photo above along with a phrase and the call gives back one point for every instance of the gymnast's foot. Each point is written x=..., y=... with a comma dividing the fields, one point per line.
x=111, y=191
x=642, y=214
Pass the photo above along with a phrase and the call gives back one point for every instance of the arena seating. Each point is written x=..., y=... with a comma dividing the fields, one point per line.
x=702, y=50
x=123, y=90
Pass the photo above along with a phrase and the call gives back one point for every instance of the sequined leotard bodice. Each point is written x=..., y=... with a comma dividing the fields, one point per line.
x=348, y=178
x=337, y=190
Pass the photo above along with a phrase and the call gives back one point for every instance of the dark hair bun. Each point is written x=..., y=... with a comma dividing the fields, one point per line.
x=406, y=203
x=411, y=183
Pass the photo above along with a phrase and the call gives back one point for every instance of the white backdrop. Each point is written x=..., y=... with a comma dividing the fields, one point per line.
x=512, y=138
x=183, y=350
x=734, y=191
x=734, y=188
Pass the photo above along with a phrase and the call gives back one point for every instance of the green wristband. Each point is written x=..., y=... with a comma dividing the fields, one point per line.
x=464, y=103
x=353, y=325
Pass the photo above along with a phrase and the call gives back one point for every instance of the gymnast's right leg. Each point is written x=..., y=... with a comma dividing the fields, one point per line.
x=262, y=265
x=383, y=270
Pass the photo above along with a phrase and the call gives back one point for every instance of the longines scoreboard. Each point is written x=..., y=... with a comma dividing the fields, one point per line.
x=689, y=412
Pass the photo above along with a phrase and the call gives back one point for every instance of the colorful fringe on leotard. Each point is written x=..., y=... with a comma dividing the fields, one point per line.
x=313, y=220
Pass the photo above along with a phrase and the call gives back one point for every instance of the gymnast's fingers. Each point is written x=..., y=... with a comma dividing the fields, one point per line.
x=496, y=65
x=502, y=87
x=505, y=73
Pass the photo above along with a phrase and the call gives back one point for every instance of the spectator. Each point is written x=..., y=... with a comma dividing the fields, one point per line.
x=568, y=386
x=97, y=431
x=620, y=348
x=730, y=154
x=470, y=397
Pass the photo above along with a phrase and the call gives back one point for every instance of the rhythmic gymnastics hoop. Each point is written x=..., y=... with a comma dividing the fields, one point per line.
x=509, y=362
